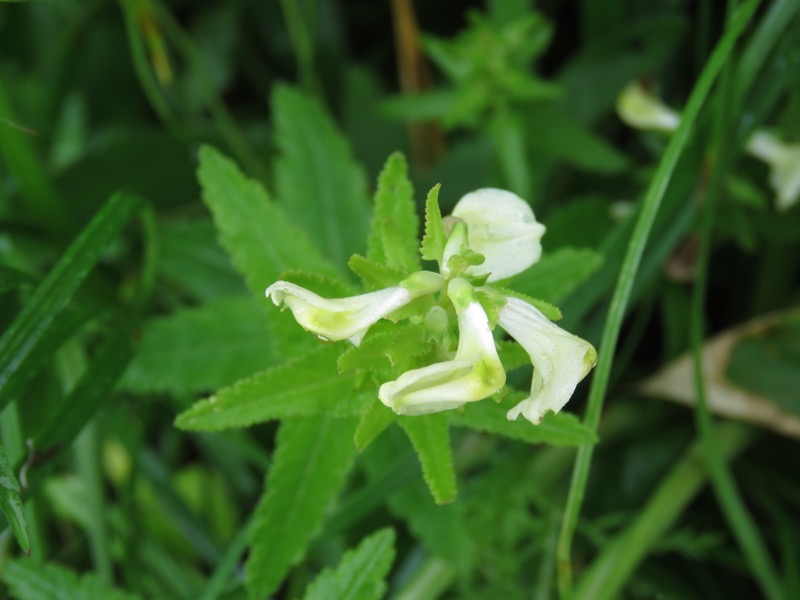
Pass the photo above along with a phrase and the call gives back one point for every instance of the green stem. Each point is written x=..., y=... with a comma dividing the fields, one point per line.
x=302, y=43
x=430, y=581
x=625, y=282
x=607, y=574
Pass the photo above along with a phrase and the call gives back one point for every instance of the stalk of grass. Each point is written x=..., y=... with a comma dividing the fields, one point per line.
x=622, y=291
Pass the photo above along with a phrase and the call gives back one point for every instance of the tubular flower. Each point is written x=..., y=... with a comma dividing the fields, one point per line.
x=784, y=163
x=501, y=226
x=560, y=359
x=640, y=109
x=350, y=318
x=473, y=374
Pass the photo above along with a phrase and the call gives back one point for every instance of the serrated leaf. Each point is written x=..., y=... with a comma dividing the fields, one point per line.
x=11, y=503
x=258, y=236
x=361, y=572
x=29, y=580
x=548, y=310
x=318, y=182
x=324, y=286
x=561, y=429
x=310, y=463
x=373, y=423
x=24, y=337
x=558, y=274
x=386, y=350
x=393, y=234
x=200, y=349
x=434, y=239
x=306, y=386
x=373, y=274
x=431, y=440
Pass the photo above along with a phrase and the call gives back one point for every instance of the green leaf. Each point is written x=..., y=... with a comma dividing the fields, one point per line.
x=386, y=351
x=324, y=286
x=431, y=440
x=191, y=259
x=512, y=355
x=548, y=310
x=373, y=423
x=361, y=572
x=306, y=386
x=255, y=232
x=310, y=463
x=561, y=429
x=11, y=503
x=201, y=349
x=393, y=234
x=373, y=274
x=29, y=580
x=22, y=340
x=318, y=182
x=95, y=387
x=11, y=278
x=558, y=274
x=434, y=239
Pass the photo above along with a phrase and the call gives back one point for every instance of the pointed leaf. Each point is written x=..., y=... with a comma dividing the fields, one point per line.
x=11, y=503
x=431, y=440
x=23, y=338
x=29, y=580
x=197, y=350
x=361, y=572
x=255, y=232
x=310, y=463
x=374, y=275
x=434, y=239
x=393, y=238
x=319, y=184
x=309, y=385
x=562, y=429
x=373, y=423
x=558, y=274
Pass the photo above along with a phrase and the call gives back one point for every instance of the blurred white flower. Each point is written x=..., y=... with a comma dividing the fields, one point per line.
x=560, y=359
x=784, y=163
x=500, y=226
x=350, y=318
x=638, y=108
x=473, y=374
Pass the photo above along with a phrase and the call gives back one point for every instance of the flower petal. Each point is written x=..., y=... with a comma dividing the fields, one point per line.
x=560, y=359
x=350, y=318
x=474, y=373
x=784, y=162
x=638, y=108
x=503, y=228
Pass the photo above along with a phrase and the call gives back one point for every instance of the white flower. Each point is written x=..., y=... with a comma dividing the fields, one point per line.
x=474, y=373
x=560, y=359
x=500, y=226
x=640, y=109
x=784, y=162
x=350, y=318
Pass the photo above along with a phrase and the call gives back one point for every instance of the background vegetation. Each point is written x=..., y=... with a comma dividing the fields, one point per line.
x=130, y=288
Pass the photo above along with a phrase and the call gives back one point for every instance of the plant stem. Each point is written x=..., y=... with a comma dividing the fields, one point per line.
x=626, y=278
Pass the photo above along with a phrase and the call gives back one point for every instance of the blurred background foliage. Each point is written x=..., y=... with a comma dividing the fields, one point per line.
x=119, y=314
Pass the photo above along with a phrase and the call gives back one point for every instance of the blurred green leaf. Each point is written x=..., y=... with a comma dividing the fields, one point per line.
x=360, y=573
x=373, y=422
x=23, y=338
x=312, y=458
x=191, y=258
x=200, y=349
x=318, y=182
x=309, y=385
x=431, y=440
x=255, y=231
x=558, y=274
x=584, y=223
x=11, y=278
x=11, y=503
x=29, y=580
x=393, y=238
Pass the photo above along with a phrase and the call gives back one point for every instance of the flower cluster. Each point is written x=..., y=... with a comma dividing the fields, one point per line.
x=491, y=235
x=640, y=109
